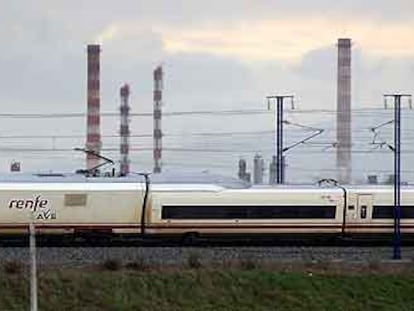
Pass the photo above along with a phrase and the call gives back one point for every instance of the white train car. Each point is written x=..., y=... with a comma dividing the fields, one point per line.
x=115, y=206
x=205, y=210
x=370, y=210
x=209, y=209
x=70, y=207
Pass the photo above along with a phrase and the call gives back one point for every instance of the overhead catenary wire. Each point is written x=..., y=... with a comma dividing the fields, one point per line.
x=225, y=144
x=230, y=112
x=183, y=149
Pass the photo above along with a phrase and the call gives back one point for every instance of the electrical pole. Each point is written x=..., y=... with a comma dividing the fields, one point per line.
x=397, y=169
x=33, y=265
x=280, y=165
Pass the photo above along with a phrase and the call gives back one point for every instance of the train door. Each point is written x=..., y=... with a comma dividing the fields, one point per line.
x=351, y=212
x=364, y=207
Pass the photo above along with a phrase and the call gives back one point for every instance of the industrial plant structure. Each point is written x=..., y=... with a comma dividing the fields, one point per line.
x=124, y=130
x=343, y=121
x=93, y=140
x=158, y=76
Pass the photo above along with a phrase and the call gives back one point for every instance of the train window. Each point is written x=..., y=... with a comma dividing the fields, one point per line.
x=248, y=212
x=363, y=211
x=351, y=207
x=387, y=211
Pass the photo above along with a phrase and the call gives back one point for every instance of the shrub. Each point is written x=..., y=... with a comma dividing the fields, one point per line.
x=194, y=261
x=12, y=267
x=112, y=264
x=138, y=265
x=248, y=264
x=374, y=265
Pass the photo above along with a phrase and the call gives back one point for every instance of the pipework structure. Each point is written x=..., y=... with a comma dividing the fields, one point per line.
x=158, y=86
x=343, y=120
x=124, y=130
x=93, y=140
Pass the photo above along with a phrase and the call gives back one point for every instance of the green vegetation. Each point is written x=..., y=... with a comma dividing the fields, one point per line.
x=248, y=288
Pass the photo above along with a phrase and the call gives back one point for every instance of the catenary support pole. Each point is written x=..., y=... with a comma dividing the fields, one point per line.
x=280, y=165
x=397, y=172
x=397, y=177
x=279, y=141
x=33, y=266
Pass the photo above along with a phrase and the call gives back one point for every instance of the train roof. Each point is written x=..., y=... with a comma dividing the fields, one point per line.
x=161, y=181
x=169, y=181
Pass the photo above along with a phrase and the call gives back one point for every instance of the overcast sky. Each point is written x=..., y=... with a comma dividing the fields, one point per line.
x=217, y=54
x=231, y=52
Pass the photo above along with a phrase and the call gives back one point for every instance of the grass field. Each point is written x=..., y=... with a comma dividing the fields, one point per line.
x=208, y=289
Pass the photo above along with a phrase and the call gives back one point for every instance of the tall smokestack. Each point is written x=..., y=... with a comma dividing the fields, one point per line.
x=343, y=120
x=124, y=130
x=157, y=118
x=93, y=140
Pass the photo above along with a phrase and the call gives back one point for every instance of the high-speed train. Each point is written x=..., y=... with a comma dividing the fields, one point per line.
x=128, y=206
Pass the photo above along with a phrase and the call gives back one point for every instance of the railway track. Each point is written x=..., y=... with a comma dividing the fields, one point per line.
x=66, y=257
x=195, y=240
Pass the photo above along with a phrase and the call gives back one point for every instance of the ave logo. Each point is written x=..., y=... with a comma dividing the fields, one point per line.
x=40, y=207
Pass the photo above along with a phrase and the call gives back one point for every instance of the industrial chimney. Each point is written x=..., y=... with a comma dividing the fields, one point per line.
x=343, y=120
x=157, y=118
x=93, y=140
x=124, y=130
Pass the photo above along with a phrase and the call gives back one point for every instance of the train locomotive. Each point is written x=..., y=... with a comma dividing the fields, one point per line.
x=129, y=207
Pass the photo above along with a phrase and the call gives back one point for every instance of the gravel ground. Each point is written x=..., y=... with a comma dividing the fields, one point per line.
x=83, y=256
